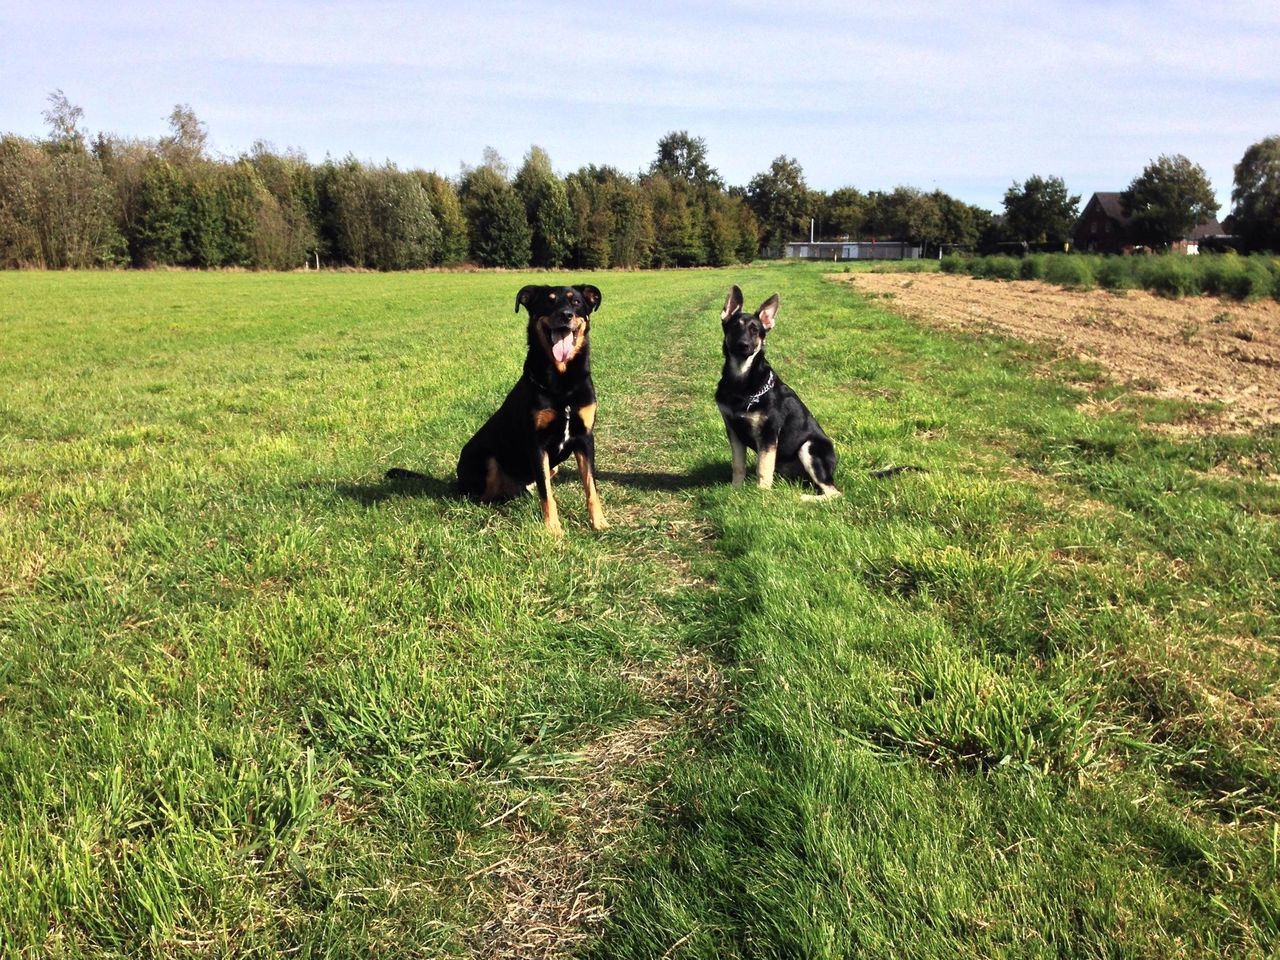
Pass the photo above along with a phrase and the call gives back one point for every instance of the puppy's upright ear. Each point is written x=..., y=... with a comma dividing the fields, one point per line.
x=732, y=303
x=768, y=311
x=526, y=295
x=590, y=294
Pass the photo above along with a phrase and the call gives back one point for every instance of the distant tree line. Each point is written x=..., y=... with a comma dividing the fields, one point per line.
x=69, y=200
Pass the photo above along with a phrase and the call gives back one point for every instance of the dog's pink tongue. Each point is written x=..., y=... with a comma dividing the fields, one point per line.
x=562, y=349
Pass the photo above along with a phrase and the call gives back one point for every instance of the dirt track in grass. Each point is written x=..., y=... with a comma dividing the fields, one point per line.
x=1200, y=349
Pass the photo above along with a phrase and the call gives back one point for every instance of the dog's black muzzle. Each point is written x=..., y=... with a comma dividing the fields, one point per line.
x=561, y=323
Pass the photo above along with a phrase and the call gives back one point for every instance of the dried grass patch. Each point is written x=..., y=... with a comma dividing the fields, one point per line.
x=546, y=897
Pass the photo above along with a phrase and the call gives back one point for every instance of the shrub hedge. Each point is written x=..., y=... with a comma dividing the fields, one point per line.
x=1169, y=275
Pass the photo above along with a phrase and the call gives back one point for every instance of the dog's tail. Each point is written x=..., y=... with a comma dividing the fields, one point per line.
x=401, y=474
x=892, y=471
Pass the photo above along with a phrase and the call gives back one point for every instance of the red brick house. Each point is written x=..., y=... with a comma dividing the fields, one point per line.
x=1103, y=227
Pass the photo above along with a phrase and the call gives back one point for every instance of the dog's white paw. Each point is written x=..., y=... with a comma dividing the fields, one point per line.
x=828, y=493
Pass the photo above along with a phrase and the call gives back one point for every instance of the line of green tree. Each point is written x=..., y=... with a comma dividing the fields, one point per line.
x=68, y=200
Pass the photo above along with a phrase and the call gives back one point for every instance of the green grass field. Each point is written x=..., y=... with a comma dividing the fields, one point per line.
x=257, y=702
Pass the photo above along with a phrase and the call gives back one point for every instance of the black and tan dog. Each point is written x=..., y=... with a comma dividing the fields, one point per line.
x=762, y=412
x=548, y=415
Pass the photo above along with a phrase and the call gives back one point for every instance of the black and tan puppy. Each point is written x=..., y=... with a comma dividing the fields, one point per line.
x=548, y=415
x=762, y=412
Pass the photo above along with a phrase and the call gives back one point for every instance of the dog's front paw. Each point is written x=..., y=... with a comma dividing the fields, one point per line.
x=599, y=523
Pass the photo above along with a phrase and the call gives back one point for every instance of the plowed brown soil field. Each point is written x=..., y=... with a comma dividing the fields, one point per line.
x=1200, y=348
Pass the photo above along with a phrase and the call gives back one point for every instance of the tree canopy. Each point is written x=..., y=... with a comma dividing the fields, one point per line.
x=684, y=157
x=1256, y=195
x=780, y=199
x=497, y=224
x=843, y=211
x=1040, y=210
x=1168, y=200
x=546, y=205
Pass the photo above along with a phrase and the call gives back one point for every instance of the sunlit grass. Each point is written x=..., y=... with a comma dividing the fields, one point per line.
x=256, y=700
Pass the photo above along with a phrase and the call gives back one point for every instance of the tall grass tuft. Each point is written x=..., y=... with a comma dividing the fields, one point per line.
x=1033, y=267
x=1256, y=281
x=1117, y=273
x=1000, y=268
x=1245, y=278
x=1068, y=270
x=1169, y=276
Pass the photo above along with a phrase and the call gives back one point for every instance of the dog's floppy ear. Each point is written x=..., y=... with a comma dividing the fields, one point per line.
x=768, y=311
x=732, y=304
x=526, y=295
x=590, y=294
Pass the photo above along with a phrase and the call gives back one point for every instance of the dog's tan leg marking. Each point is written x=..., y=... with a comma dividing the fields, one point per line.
x=543, y=418
x=765, y=464
x=739, y=451
x=493, y=485
x=598, y=521
x=550, y=514
x=587, y=415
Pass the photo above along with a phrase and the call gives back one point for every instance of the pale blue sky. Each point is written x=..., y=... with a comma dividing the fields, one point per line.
x=966, y=97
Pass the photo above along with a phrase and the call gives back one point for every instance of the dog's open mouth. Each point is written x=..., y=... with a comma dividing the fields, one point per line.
x=562, y=345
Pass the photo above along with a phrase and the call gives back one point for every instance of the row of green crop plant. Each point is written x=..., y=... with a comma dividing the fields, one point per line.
x=1170, y=275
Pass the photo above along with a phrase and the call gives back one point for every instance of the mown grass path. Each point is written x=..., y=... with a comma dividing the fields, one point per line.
x=257, y=698
x=256, y=701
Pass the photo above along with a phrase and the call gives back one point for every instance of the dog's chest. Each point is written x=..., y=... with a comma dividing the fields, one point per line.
x=743, y=421
x=561, y=429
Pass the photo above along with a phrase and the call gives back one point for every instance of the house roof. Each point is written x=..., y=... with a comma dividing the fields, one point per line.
x=1212, y=228
x=1111, y=205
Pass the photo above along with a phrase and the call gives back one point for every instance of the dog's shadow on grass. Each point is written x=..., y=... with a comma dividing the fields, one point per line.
x=708, y=474
x=398, y=483
x=407, y=483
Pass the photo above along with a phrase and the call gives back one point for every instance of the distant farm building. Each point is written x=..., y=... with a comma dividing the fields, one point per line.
x=1103, y=227
x=851, y=250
